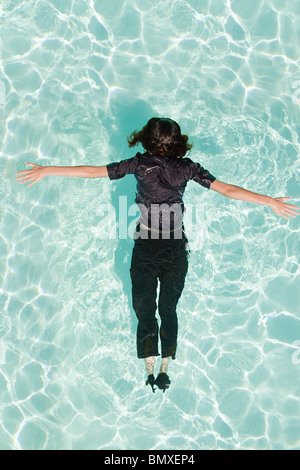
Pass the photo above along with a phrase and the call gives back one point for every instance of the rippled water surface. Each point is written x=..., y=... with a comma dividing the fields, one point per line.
x=76, y=77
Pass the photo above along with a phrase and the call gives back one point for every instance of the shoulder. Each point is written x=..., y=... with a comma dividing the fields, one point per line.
x=186, y=161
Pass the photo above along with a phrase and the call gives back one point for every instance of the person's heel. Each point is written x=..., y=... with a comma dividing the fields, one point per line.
x=162, y=381
x=150, y=381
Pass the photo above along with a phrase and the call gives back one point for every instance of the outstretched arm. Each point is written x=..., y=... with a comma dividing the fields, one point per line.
x=235, y=192
x=37, y=173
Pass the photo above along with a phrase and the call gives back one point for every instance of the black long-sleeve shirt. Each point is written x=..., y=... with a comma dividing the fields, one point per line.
x=160, y=181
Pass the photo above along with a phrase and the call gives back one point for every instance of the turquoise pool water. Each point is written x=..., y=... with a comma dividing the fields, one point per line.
x=76, y=77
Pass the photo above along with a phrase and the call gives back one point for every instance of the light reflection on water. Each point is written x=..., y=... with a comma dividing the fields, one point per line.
x=77, y=77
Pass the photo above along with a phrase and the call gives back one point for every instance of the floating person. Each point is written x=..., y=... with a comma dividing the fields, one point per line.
x=160, y=251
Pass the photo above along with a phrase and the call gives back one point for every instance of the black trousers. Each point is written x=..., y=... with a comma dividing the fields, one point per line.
x=165, y=261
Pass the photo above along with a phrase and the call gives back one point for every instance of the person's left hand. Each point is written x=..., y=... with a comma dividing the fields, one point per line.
x=35, y=174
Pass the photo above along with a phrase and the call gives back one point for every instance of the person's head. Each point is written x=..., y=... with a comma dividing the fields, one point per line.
x=161, y=136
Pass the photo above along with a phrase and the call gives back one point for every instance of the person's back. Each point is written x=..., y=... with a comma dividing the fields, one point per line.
x=160, y=179
x=161, y=182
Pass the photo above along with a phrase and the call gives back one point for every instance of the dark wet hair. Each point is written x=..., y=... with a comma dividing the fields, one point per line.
x=161, y=136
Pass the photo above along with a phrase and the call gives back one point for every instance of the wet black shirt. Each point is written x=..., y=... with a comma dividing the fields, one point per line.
x=160, y=180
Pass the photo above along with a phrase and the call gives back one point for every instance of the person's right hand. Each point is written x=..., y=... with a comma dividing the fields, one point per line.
x=35, y=174
x=282, y=208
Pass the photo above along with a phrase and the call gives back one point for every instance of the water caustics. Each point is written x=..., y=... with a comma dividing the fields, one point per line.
x=76, y=77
